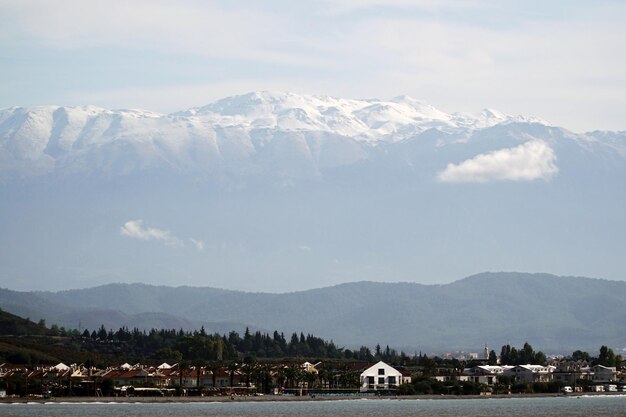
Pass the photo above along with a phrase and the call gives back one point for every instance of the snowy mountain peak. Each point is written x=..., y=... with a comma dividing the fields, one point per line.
x=420, y=105
x=492, y=113
x=328, y=131
x=370, y=120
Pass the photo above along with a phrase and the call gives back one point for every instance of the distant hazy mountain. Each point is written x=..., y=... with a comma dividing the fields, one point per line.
x=278, y=191
x=552, y=313
x=81, y=315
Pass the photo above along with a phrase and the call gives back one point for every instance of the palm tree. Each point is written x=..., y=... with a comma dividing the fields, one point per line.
x=182, y=367
x=214, y=367
x=290, y=376
x=347, y=377
x=325, y=376
x=232, y=368
x=281, y=376
x=309, y=378
x=247, y=369
x=200, y=364
x=263, y=376
x=294, y=374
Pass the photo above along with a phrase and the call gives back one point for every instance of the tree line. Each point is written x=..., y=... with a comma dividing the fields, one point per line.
x=177, y=345
x=170, y=345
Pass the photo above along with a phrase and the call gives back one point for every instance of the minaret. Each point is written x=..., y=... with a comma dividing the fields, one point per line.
x=486, y=352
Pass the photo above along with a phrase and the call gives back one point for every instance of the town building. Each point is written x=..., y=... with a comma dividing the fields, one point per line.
x=601, y=374
x=485, y=374
x=530, y=373
x=380, y=377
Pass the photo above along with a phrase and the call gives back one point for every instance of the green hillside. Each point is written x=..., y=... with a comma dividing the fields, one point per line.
x=23, y=342
x=11, y=324
x=560, y=314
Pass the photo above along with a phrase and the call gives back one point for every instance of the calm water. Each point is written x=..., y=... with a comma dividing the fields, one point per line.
x=612, y=406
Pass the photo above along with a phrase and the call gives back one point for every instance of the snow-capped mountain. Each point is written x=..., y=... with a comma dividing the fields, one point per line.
x=279, y=191
x=368, y=120
x=322, y=131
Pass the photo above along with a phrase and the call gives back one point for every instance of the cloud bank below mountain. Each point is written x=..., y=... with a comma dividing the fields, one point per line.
x=134, y=229
x=533, y=160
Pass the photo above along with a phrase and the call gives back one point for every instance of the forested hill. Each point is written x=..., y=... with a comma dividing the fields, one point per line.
x=23, y=342
x=558, y=313
x=10, y=325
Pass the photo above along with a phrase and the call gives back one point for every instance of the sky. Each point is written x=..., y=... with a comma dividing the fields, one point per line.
x=562, y=61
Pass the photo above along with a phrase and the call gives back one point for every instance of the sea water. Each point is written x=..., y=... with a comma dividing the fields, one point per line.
x=571, y=406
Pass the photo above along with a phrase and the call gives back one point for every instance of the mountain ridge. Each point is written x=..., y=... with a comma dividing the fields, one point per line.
x=555, y=313
x=478, y=276
x=332, y=131
x=279, y=138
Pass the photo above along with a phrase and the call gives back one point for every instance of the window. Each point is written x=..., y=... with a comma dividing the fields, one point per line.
x=370, y=380
x=381, y=381
x=392, y=380
x=381, y=371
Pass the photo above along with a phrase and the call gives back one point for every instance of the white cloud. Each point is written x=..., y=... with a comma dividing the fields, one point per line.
x=530, y=161
x=345, y=6
x=199, y=244
x=134, y=229
x=206, y=29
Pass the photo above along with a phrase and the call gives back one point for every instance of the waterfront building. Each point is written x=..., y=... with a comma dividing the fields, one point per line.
x=380, y=377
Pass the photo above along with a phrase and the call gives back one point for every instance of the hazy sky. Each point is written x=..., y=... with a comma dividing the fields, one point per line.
x=563, y=61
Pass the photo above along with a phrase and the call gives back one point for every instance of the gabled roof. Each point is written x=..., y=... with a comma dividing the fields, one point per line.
x=605, y=368
x=61, y=367
x=483, y=370
x=535, y=368
x=374, y=368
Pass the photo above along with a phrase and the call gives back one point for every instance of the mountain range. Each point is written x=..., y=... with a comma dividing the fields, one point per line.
x=280, y=192
x=555, y=314
x=295, y=136
x=235, y=134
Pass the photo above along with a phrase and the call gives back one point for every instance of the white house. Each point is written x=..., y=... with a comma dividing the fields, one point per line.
x=380, y=377
x=604, y=373
x=568, y=372
x=485, y=374
x=530, y=373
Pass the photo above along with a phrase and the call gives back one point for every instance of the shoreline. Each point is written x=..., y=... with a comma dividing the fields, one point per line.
x=280, y=398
